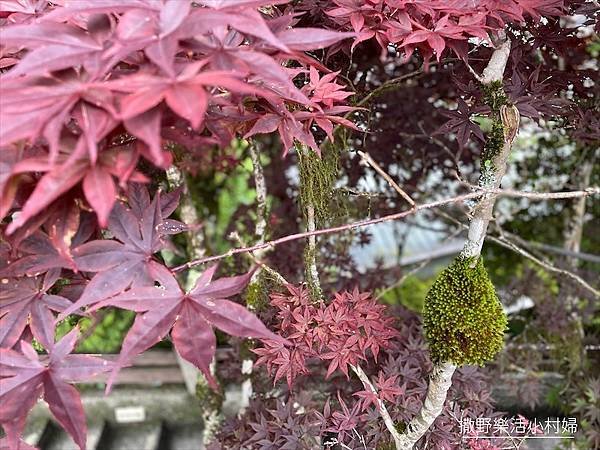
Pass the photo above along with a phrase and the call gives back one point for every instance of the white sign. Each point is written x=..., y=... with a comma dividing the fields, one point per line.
x=130, y=414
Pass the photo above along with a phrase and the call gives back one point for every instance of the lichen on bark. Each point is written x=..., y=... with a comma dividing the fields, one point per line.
x=463, y=317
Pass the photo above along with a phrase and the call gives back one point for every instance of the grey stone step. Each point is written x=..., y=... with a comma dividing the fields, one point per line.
x=182, y=437
x=55, y=438
x=140, y=436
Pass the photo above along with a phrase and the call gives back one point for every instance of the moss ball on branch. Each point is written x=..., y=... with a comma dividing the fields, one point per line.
x=463, y=318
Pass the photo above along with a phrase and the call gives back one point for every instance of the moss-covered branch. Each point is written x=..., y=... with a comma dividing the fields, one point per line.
x=318, y=174
x=463, y=318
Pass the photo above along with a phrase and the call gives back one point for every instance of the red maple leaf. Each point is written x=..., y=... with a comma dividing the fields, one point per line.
x=127, y=260
x=24, y=378
x=26, y=302
x=191, y=316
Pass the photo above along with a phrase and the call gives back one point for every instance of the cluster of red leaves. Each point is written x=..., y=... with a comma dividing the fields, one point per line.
x=387, y=390
x=124, y=271
x=93, y=87
x=435, y=25
x=341, y=332
x=89, y=89
x=317, y=413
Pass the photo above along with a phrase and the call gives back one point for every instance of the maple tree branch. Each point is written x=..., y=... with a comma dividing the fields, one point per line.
x=514, y=247
x=268, y=269
x=97, y=318
x=260, y=229
x=371, y=162
x=440, y=381
x=396, y=82
x=489, y=183
x=308, y=204
x=261, y=194
x=389, y=84
x=360, y=224
x=494, y=70
x=581, y=194
x=188, y=213
x=582, y=256
x=511, y=245
x=492, y=171
x=385, y=415
x=385, y=86
x=573, y=233
x=312, y=271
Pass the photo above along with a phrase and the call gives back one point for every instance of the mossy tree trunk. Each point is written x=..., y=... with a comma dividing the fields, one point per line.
x=318, y=174
x=505, y=123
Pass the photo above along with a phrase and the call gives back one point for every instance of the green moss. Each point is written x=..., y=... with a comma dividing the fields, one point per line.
x=318, y=175
x=210, y=399
x=463, y=318
x=494, y=95
x=386, y=445
x=255, y=297
x=494, y=142
x=257, y=292
x=400, y=426
x=257, y=300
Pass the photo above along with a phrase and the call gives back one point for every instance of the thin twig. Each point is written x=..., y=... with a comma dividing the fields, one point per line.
x=387, y=85
x=98, y=317
x=583, y=256
x=352, y=226
x=385, y=415
x=371, y=162
x=260, y=230
x=541, y=195
x=260, y=227
x=415, y=270
x=252, y=255
x=507, y=243
x=514, y=247
x=312, y=271
x=187, y=211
